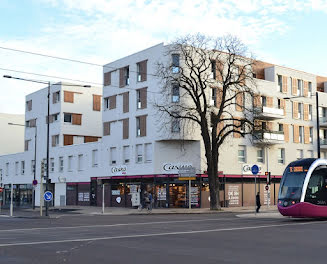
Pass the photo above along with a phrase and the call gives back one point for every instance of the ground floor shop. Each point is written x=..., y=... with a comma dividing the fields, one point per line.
x=169, y=191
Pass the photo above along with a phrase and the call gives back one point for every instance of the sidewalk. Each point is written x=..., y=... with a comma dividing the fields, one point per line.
x=56, y=212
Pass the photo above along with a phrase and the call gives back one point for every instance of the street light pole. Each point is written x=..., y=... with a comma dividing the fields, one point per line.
x=48, y=149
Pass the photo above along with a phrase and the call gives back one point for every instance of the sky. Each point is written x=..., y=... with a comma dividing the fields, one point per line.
x=291, y=33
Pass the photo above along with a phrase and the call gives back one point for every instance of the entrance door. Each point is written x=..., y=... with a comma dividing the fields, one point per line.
x=177, y=195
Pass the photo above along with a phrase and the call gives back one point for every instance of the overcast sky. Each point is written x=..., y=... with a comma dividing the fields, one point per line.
x=289, y=33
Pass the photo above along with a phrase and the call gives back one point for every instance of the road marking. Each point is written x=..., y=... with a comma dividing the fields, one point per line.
x=114, y=225
x=154, y=234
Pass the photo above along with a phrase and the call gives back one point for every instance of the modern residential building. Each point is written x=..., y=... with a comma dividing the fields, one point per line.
x=12, y=136
x=142, y=150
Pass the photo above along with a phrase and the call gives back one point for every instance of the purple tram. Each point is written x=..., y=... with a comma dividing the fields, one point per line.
x=303, y=189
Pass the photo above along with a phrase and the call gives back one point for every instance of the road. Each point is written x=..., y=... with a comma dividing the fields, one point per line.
x=201, y=238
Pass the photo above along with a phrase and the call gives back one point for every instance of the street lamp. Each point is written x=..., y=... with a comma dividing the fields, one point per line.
x=48, y=128
x=35, y=137
x=318, y=125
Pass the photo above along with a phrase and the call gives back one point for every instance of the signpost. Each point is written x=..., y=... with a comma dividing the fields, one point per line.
x=187, y=174
x=48, y=196
x=255, y=170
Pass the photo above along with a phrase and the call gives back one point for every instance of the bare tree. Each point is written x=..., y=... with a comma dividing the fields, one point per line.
x=210, y=84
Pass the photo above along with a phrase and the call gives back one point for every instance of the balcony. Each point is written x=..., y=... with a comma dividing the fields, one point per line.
x=323, y=143
x=268, y=113
x=268, y=137
x=323, y=122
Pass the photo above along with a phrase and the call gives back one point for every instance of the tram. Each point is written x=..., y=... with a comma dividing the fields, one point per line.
x=303, y=189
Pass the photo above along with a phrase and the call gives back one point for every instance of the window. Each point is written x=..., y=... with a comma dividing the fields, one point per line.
x=0, y=176
x=113, y=155
x=260, y=155
x=67, y=118
x=175, y=127
x=126, y=154
x=242, y=153
x=126, y=75
x=311, y=135
x=148, y=152
x=61, y=164
x=280, y=127
x=175, y=63
x=310, y=153
x=16, y=167
x=32, y=166
x=52, y=164
x=55, y=140
x=27, y=143
x=310, y=112
x=141, y=71
x=279, y=103
x=281, y=156
x=138, y=99
x=300, y=110
x=141, y=98
x=56, y=97
x=95, y=158
x=299, y=154
x=70, y=163
x=213, y=70
x=300, y=134
x=80, y=162
x=280, y=83
x=139, y=153
x=310, y=89
x=55, y=117
x=7, y=168
x=22, y=167
x=299, y=87
x=29, y=105
x=141, y=126
x=107, y=78
x=175, y=93
x=263, y=100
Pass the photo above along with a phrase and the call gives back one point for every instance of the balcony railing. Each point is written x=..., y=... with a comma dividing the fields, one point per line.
x=323, y=121
x=269, y=113
x=268, y=137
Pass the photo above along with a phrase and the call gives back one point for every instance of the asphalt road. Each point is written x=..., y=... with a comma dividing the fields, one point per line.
x=214, y=238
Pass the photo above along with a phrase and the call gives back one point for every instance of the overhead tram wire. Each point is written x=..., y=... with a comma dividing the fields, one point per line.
x=67, y=59
x=74, y=80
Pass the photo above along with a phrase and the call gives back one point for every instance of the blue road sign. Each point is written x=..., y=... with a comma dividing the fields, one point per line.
x=48, y=196
x=255, y=169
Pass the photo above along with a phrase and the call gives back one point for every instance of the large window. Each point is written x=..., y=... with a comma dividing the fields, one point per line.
x=80, y=162
x=281, y=156
x=113, y=155
x=260, y=155
x=70, y=163
x=175, y=93
x=67, y=118
x=61, y=164
x=126, y=154
x=242, y=153
x=317, y=192
x=94, y=158
x=139, y=153
x=148, y=152
x=175, y=63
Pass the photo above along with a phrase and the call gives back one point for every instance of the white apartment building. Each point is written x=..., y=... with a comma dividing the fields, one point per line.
x=12, y=136
x=140, y=150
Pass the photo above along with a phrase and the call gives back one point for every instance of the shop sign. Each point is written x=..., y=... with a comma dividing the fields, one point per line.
x=115, y=192
x=175, y=167
x=119, y=170
x=233, y=194
x=246, y=169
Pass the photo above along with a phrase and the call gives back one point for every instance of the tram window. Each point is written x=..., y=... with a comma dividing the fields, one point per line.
x=316, y=192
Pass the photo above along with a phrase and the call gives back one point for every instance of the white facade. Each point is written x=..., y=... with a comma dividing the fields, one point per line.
x=12, y=136
x=138, y=141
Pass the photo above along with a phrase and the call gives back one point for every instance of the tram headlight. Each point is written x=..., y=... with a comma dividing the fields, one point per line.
x=293, y=202
x=279, y=202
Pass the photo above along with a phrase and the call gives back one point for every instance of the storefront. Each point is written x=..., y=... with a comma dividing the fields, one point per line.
x=22, y=195
x=170, y=192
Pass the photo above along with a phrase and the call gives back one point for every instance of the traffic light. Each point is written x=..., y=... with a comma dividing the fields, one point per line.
x=268, y=174
x=42, y=168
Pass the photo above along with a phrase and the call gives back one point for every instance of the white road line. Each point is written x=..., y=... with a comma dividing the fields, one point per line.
x=114, y=225
x=154, y=234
